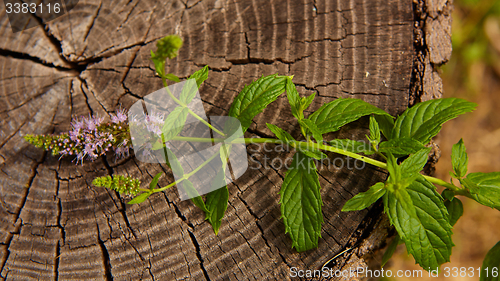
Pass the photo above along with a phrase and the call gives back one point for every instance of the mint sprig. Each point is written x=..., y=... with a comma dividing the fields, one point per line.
x=422, y=218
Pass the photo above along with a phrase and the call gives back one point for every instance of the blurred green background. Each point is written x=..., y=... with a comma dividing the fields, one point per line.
x=473, y=73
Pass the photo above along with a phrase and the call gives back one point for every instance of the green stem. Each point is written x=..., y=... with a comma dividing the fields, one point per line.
x=454, y=188
x=186, y=176
x=309, y=145
x=442, y=183
x=189, y=110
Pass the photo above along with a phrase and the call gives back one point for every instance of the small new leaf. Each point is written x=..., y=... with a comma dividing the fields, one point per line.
x=301, y=203
x=171, y=77
x=155, y=180
x=386, y=124
x=448, y=194
x=167, y=47
x=459, y=159
x=484, y=188
x=423, y=121
x=311, y=127
x=455, y=210
x=394, y=170
x=491, y=265
x=333, y=115
x=200, y=75
x=374, y=131
x=365, y=199
x=140, y=198
x=313, y=153
x=280, y=133
x=294, y=99
x=305, y=102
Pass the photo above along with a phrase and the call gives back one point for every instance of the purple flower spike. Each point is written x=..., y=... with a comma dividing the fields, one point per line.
x=77, y=124
x=120, y=116
x=89, y=124
x=97, y=120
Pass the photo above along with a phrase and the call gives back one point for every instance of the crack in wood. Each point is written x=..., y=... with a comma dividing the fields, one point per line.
x=105, y=253
x=18, y=220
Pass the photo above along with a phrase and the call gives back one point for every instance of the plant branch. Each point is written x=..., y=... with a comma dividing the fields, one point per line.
x=189, y=110
x=186, y=176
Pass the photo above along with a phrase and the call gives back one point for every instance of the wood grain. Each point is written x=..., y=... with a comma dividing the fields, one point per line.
x=56, y=225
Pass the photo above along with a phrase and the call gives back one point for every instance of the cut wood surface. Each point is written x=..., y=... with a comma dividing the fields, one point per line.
x=56, y=225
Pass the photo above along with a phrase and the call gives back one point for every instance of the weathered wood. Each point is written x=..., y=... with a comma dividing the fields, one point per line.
x=56, y=225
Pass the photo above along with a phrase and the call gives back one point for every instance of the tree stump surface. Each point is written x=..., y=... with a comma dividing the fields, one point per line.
x=56, y=225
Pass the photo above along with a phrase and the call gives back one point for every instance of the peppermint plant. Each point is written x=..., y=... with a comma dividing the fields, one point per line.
x=422, y=217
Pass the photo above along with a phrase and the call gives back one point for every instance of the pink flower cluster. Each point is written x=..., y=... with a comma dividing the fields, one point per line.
x=89, y=138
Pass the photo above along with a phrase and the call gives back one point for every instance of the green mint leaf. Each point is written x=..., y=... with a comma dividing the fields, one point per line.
x=255, y=97
x=174, y=123
x=405, y=201
x=281, y=134
x=200, y=75
x=140, y=198
x=365, y=199
x=455, y=210
x=352, y=146
x=428, y=235
x=172, y=77
x=484, y=188
x=386, y=124
x=459, y=159
x=412, y=165
x=305, y=102
x=333, y=115
x=188, y=91
x=175, y=165
x=155, y=180
x=217, y=201
x=187, y=185
x=301, y=203
x=190, y=88
x=309, y=125
x=403, y=175
x=448, y=194
x=491, y=265
x=423, y=121
x=294, y=99
x=400, y=147
x=374, y=131
x=394, y=170
x=390, y=250
x=194, y=195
